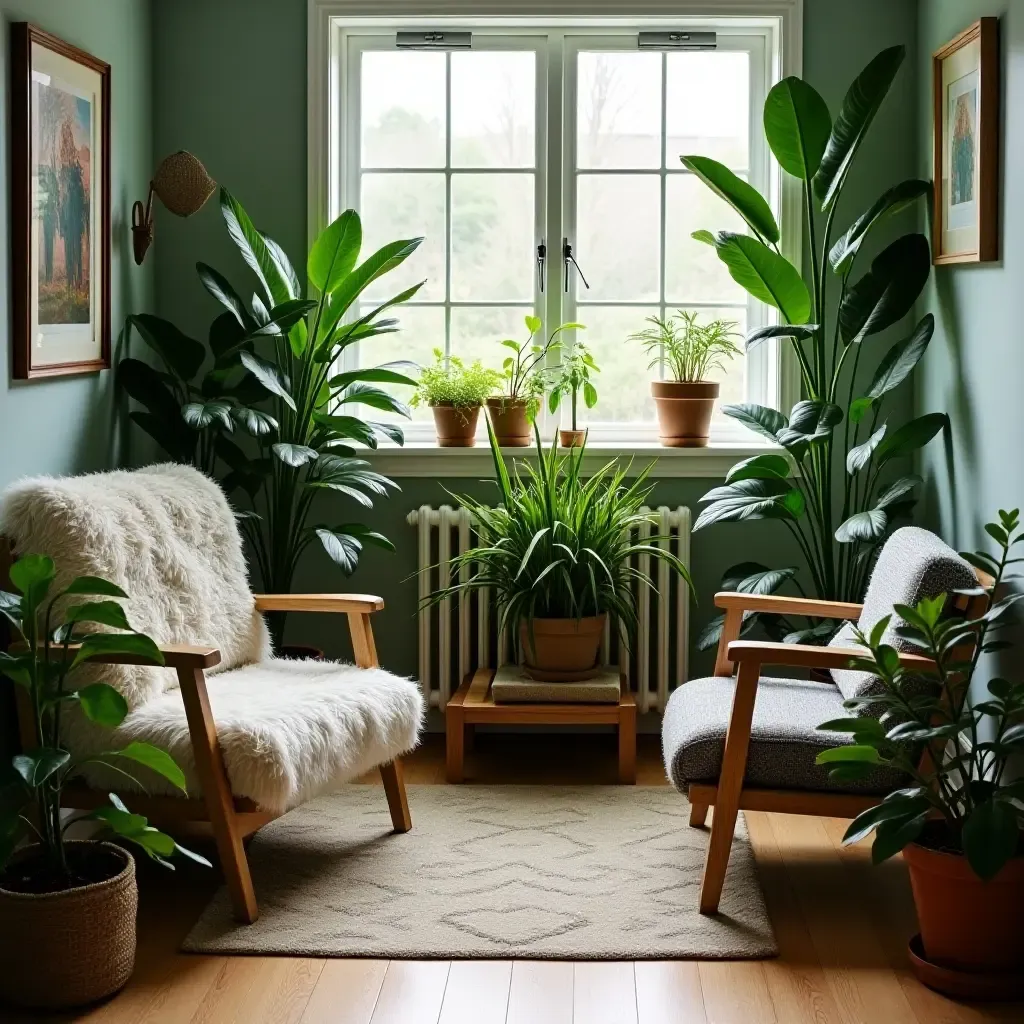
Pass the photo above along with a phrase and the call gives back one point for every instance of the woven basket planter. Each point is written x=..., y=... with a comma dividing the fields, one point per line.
x=69, y=948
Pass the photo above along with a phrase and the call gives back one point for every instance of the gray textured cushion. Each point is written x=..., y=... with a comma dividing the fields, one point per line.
x=912, y=565
x=784, y=738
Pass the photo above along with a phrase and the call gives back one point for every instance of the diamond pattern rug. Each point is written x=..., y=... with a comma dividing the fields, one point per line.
x=596, y=872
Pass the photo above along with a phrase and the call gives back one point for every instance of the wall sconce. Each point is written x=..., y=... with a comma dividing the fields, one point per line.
x=183, y=186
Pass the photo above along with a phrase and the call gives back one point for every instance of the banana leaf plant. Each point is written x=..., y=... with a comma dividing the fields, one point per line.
x=838, y=485
x=285, y=352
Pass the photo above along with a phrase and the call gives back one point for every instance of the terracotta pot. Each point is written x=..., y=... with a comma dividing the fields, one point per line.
x=456, y=425
x=64, y=949
x=571, y=438
x=510, y=422
x=967, y=924
x=562, y=648
x=684, y=411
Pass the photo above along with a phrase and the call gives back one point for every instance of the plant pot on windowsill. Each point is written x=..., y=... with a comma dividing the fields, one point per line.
x=559, y=650
x=684, y=411
x=456, y=424
x=571, y=438
x=511, y=421
x=67, y=947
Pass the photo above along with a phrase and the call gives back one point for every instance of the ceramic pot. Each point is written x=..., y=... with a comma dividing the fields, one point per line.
x=967, y=924
x=69, y=948
x=684, y=411
x=559, y=649
x=571, y=438
x=456, y=425
x=510, y=422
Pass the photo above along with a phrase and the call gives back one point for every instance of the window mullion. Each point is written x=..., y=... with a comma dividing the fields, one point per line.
x=664, y=188
x=447, y=206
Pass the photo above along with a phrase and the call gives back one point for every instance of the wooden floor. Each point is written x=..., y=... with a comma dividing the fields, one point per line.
x=842, y=929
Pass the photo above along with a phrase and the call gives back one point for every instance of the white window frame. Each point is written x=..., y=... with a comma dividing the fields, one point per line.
x=331, y=152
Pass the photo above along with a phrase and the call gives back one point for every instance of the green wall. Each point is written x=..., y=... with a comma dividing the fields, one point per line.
x=231, y=86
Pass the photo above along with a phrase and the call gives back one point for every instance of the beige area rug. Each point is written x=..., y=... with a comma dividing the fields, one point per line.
x=581, y=873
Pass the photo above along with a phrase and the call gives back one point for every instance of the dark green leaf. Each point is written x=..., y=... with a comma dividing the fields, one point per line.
x=797, y=125
x=853, y=752
x=759, y=418
x=200, y=415
x=366, y=394
x=148, y=387
x=892, y=201
x=990, y=836
x=294, y=455
x=750, y=499
x=896, y=490
x=95, y=585
x=267, y=374
x=859, y=457
x=892, y=835
x=763, y=467
x=910, y=436
x=32, y=575
x=868, y=820
x=901, y=359
x=810, y=421
x=37, y=766
x=106, y=613
x=220, y=288
x=103, y=704
x=173, y=436
x=154, y=758
x=256, y=421
x=136, y=645
x=255, y=250
x=798, y=332
x=766, y=275
x=182, y=355
x=739, y=194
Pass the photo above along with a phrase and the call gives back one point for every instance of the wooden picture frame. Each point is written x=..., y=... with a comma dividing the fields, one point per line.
x=965, y=112
x=60, y=206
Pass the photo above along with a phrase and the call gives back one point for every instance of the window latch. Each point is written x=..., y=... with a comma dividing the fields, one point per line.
x=542, y=255
x=567, y=258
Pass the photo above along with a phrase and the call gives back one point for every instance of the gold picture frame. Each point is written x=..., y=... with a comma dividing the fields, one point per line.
x=965, y=96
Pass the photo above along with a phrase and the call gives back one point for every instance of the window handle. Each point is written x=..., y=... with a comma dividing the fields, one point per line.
x=567, y=258
x=542, y=255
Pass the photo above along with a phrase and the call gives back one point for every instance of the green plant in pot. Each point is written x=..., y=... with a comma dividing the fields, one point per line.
x=960, y=819
x=524, y=378
x=455, y=394
x=574, y=377
x=555, y=553
x=849, y=489
x=59, y=895
x=691, y=351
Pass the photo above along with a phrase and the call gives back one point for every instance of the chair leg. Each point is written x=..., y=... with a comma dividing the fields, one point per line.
x=394, y=789
x=233, y=862
x=698, y=815
x=730, y=784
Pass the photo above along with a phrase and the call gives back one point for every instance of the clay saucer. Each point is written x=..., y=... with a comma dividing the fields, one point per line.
x=964, y=984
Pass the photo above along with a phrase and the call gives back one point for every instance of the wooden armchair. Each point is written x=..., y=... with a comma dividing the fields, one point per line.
x=708, y=730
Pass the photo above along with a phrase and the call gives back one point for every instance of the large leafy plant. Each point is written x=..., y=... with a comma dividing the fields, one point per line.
x=960, y=797
x=290, y=351
x=557, y=545
x=52, y=645
x=848, y=491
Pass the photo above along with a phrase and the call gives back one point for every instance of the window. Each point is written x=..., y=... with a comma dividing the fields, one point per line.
x=541, y=135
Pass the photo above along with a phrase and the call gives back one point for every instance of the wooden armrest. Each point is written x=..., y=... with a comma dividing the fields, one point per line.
x=806, y=656
x=363, y=603
x=779, y=604
x=175, y=656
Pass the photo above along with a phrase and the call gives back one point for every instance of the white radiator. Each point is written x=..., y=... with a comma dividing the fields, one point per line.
x=457, y=637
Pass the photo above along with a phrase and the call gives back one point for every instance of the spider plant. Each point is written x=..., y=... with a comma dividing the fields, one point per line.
x=691, y=350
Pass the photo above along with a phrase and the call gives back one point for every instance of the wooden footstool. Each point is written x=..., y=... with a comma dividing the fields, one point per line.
x=472, y=705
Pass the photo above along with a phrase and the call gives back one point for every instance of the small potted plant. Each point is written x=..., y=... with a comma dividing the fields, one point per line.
x=691, y=350
x=524, y=376
x=455, y=393
x=67, y=907
x=573, y=377
x=960, y=819
x=556, y=554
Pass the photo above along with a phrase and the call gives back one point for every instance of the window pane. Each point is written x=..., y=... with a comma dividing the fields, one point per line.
x=707, y=107
x=477, y=332
x=493, y=109
x=492, y=237
x=618, y=230
x=693, y=271
x=422, y=330
x=395, y=206
x=623, y=385
x=618, y=101
x=403, y=118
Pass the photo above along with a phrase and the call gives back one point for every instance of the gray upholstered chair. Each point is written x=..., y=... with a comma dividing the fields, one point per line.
x=750, y=741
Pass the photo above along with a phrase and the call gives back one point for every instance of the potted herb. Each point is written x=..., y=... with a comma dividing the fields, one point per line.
x=524, y=375
x=455, y=392
x=573, y=377
x=959, y=820
x=67, y=907
x=691, y=351
x=555, y=553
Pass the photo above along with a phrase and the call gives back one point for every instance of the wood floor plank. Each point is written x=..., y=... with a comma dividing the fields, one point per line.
x=604, y=992
x=346, y=992
x=796, y=983
x=540, y=992
x=736, y=992
x=229, y=989
x=668, y=992
x=477, y=992
x=412, y=992
x=280, y=994
x=863, y=985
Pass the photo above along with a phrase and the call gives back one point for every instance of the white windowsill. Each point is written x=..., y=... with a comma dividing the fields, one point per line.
x=427, y=459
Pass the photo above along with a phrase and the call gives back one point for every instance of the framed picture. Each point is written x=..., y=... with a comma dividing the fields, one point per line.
x=965, y=87
x=60, y=206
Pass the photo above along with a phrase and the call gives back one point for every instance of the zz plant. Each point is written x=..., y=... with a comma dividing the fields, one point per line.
x=845, y=497
x=52, y=645
x=961, y=797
